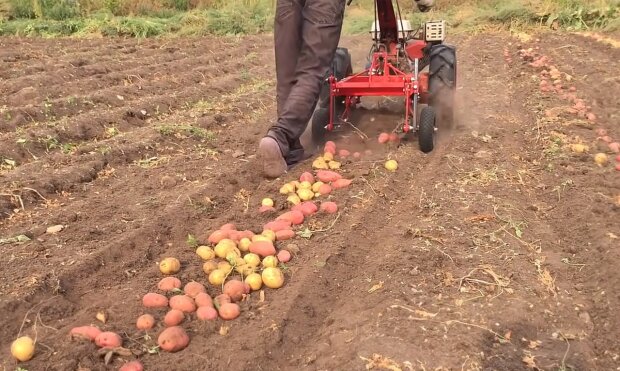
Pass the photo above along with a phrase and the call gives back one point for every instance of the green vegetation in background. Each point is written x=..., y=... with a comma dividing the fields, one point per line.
x=149, y=18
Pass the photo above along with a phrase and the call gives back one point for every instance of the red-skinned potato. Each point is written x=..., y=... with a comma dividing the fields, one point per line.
x=266, y=209
x=108, y=340
x=296, y=217
x=329, y=207
x=228, y=227
x=132, y=366
x=278, y=225
x=262, y=248
x=206, y=314
x=341, y=183
x=183, y=303
x=217, y=236
x=174, y=317
x=85, y=332
x=229, y=311
x=284, y=256
x=222, y=299
x=235, y=289
x=306, y=177
x=393, y=137
x=325, y=189
x=145, y=322
x=173, y=339
x=357, y=155
x=330, y=143
x=169, y=283
x=307, y=208
x=383, y=138
x=614, y=147
x=284, y=235
x=235, y=235
x=154, y=300
x=203, y=300
x=327, y=176
x=193, y=288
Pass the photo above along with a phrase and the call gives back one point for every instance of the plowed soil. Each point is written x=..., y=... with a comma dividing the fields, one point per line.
x=497, y=251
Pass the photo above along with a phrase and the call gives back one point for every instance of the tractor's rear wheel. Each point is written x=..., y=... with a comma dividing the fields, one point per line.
x=320, y=119
x=426, y=130
x=442, y=83
x=340, y=67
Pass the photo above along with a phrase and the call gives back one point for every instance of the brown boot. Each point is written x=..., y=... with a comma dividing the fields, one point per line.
x=270, y=154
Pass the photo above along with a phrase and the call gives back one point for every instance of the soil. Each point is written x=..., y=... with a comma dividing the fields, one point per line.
x=497, y=251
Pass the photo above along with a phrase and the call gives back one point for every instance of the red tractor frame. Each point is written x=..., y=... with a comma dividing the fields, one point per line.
x=396, y=60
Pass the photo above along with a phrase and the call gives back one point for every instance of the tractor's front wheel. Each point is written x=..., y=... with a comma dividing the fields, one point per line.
x=340, y=67
x=426, y=130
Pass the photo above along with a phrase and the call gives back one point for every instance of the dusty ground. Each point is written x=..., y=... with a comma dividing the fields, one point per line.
x=498, y=251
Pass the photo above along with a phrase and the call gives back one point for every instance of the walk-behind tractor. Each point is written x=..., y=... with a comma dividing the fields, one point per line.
x=396, y=62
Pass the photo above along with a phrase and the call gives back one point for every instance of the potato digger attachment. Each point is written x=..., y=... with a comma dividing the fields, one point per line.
x=397, y=67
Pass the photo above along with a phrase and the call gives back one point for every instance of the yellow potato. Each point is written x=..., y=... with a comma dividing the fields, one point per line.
x=316, y=186
x=270, y=261
x=271, y=235
x=305, y=185
x=334, y=165
x=391, y=165
x=320, y=163
x=224, y=246
x=252, y=259
x=273, y=278
x=205, y=252
x=255, y=281
x=287, y=188
x=305, y=194
x=22, y=348
x=267, y=202
x=294, y=199
x=327, y=156
x=244, y=244
x=217, y=277
x=169, y=266
x=260, y=237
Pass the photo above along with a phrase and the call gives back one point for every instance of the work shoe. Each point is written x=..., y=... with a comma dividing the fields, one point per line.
x=270, y=154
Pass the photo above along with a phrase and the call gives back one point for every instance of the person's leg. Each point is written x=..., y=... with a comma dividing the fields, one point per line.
x=287, y=46
x=322, y=23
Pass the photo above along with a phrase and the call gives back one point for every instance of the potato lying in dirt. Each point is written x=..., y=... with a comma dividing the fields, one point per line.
x=132, y=366
x=174, y=317
x=206, y=314
x=145, y=322
x=284, y=256
x=235, y=289
x=108, y=340
x=169, y=283
x=329, y=207
x=327, y=176
x=85, y=332
x=183, y=303
x=284, y=235
x=154, y=300
x=262, y=248
x=295, y=217
x=193, y=288
x=229, y=311
x=173, y=339
x=203, y=300
x=278, y=225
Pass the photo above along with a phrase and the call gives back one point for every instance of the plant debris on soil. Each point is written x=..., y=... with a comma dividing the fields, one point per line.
x=498, y=250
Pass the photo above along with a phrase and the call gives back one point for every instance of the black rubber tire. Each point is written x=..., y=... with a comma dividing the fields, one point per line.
x=341, y=67
x=442, y=83
x=320, y=118
x=426, y=130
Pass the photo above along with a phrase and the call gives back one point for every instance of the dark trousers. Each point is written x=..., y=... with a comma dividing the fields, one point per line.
x=306, y=35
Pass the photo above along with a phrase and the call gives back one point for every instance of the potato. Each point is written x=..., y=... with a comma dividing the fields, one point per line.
x=260, y=237
x=228, y=227
x=203, y=300
x=271, y=235
x=341, y=183
x=307, y=208
x=108, y=340
x=229, y=311
x=357, y=155
x=132, y=366
x=383, y=138
x=255, y=281
x=183, y=303
x=330, y=144
x=284, y=256
x=217, y=236
x=325, y=189
x=154, y=300
x=293, y=199
x=222, y=299
x=284, y=235
x=306, y=177
x=278, y=225
x=334, y=165
x=263, y=248
x=85, y=332
x=209, y=267
x=173, y=339
x=224, y=266
x=328, y=176
x=23, y=348
x=287, y=188
x=206, y=314
x=329, y=207
x=272, y=277
x=224, y=246
x=316, y=186
x=330, y=150
x=235, y=236
x=236, y=289
x=305, y=194
x=244, y=244
x=393, y=137
x=343, y=153
x=217, y=277
x=252, y=259
x=174, y=317
x=169, y=284
x=145, y=322
x=194, y=288
x=266, y=209
x=295, y=217
x=169, y=266
x=270, y=261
